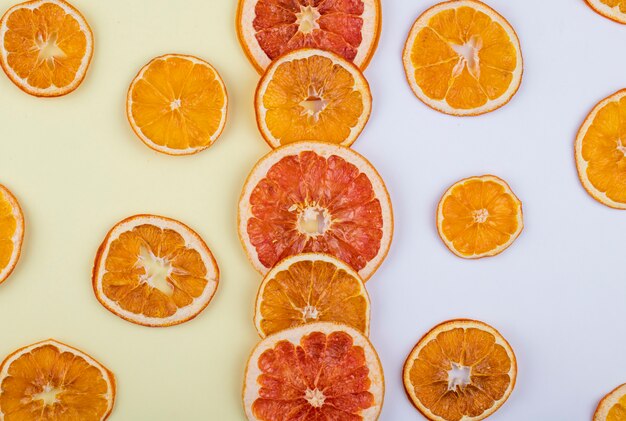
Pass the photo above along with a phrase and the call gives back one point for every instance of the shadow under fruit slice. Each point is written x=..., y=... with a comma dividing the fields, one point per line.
x=308, y=288
x=11, y=232
x=51, y=381
x=613, y=406
x=460, y=370
x=315, y=197
x=612, y=9
x=46, y=47
x=154, y=271
x=321, y=370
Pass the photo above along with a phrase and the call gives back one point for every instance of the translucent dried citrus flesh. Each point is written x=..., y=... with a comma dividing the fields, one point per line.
x=177, y=104
x=311, y=94
x=11, y=232
x=612, y=9
x=51, y=381
x=613, y=406
x=479, y=216
x=618, y=411
x=461, y=370
x=308, y=288
x=463, y=58
x=46, y=47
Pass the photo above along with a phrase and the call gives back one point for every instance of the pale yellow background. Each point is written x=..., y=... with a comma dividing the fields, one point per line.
x=77, y=169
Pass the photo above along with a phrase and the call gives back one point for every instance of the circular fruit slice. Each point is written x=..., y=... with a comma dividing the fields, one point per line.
x=11, y=232
x=53, y=381
x=268, y=29
x=315, y=197
x=462, y=58
x=154, y=271
x=601, y=151
x=312, y=94
x=460, y=370
x=613, y=406
x=177, y=104
x=612, y=9
x=318, y=371
x=45, y=47
x=311, y=287
x=479, y=217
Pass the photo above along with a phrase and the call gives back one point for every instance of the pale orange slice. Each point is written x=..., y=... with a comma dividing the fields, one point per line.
x=154, y=271
x=462, y=370
x=11, y=232
x=177, y=104
x=613, y=406
x=51, y=381
x=315, y=197
x=612, y=9
x=601, y=151
x=268, y=29
x=462, y=58
x=45, y=47
x=479, y=217
x=308, y=288
x=317, y=371
x=311, y=94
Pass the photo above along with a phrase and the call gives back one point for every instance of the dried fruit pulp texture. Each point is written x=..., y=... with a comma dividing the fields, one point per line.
x=313, y=291
x=312, y=98
x=45, y=45
x=324, y=377
x=488, y=363
x=621, y=4
x=330, y=192
x=286, y=25
x=8, y=227
x=130, y=269
x=75, y=389
x=178, y=103
x=618, y=411
x=464, y=58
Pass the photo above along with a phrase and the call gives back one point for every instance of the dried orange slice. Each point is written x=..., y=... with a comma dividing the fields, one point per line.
x=45, y=47
x=462, y=58
x=612, y=9
x=479, y=217
x=315, y=197
x=52, y=381
x=154, y=271
x=601, y=151
x=613, y=406
x=268, y=29
x=11, y=232
x=312, y=94
x=308, y=288
x=317, y=371
x=460, y=370
x=177, y=104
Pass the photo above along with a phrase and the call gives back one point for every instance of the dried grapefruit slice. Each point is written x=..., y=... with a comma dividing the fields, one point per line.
x=177, y=104
x=613, y=406
x=601, y=151
x=52, y=381
x=154, y=271
x=315, y=197
x=268, y=29
x=460, y=370
x=312, y=94
x=462, y=58
x=11, y=232
x=308, y=288
x=612, y=9
x=479, y=217
x=45, y=47
x=321, y=371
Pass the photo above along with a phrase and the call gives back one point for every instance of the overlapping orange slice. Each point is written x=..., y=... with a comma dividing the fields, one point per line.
x=11, y=232
x=613, y=406
x=612, y=9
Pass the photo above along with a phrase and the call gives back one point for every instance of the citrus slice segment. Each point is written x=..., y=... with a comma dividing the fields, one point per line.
x=317, y=371
x=177, y=104
x=45, y=47
x=612, y=9
x=52, y=381
x=479, y=217
x=462, y=58
x=460, y=370
x=11, y=232
x=308, y=288
x=601, y=151
x=311, y=94
x=268, y=29
x=315, y=197
x=154, y=271
x=613, y=406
